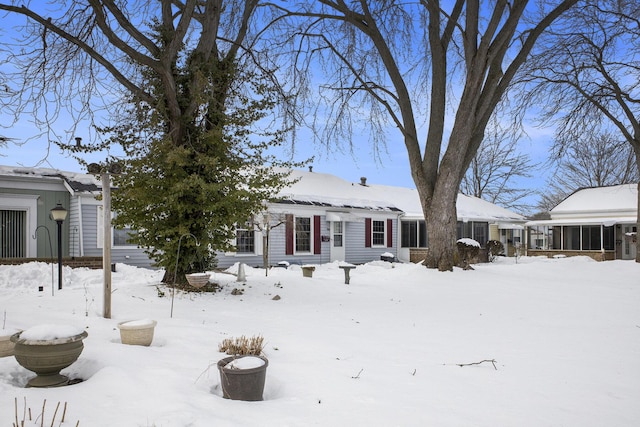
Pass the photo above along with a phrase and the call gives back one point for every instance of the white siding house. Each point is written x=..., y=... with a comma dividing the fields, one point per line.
x=598, y=222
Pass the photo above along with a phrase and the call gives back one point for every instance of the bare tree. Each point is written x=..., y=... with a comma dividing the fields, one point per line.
x=170, y=70
x=85, y=56
x=394, y=61
x=494, y=168
x=590, y=161
x=587, y=76
x=264, y=222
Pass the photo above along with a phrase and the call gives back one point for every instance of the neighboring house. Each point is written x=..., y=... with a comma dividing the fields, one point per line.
x=597, y=222
x=27, y=196
x=324, y=218
x=320, y=218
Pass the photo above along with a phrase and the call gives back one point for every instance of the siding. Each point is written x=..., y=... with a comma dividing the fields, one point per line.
x=277, y=248
x=131, y=256
x=356, y=252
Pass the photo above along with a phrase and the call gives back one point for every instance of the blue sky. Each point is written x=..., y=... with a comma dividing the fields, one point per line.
x=389, y=168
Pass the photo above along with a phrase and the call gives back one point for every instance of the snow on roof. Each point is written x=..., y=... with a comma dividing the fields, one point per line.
x=76, y=180
x=616, y=198
x=330, y=190
x=321, y=189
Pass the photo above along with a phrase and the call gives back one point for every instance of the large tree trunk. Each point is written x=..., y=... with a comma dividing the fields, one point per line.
x=442, y=223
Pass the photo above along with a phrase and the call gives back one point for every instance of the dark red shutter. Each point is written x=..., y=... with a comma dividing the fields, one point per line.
x=316, y=235
x=389, y=233
x=367, y=232
x=288, y=234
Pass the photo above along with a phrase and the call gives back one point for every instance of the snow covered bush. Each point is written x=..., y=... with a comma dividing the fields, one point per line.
x=468, y=249
x=494, y=249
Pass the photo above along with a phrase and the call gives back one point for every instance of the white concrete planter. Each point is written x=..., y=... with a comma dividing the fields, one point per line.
x=137, y=332
x=198, y=280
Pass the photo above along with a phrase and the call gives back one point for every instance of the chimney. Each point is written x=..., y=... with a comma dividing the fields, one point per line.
x=310, y=168
x=78, y=141
x=363, y=181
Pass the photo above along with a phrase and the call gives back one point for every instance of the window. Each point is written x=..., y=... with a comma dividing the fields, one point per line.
x=473, y=230
x=245, y=240
x=13, y=226
x=119, y=236
x=572, y=238
x=337, y=234
x=122, y=237
x=378, y=233
x=480, y=233
x=591, y=237
x=303, y=234
x=409, y=236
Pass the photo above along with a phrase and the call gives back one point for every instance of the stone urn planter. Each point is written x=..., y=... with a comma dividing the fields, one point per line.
x=243, y=377
x=46, y=350
x=198, y=280
x=6, y=345
x=137, y=332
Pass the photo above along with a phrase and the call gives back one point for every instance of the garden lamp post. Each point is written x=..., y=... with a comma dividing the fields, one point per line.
x=59, y=214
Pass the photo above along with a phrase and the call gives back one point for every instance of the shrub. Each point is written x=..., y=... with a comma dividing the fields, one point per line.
x=467, y=249
x=494, y=248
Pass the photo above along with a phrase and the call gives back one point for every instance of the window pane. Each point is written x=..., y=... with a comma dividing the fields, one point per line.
x=608, y=238
x=572, y=238
x=303, y=234
x=480, y=232
x=378, y=233
x=409, y=237
x=337, y=234
x=424, y=241
x=121, y=237
x=245, y=241
x=12, y=238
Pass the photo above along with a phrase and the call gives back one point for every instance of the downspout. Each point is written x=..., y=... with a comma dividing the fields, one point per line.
x=602, y=241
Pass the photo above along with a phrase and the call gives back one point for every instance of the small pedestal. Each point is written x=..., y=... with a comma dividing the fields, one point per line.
x=347, y=269
x=307, y=270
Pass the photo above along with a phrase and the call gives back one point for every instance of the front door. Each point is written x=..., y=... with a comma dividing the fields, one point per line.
x=337, y=241
x=629, y=248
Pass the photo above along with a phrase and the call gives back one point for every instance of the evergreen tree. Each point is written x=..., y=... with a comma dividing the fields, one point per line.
x=219, y=175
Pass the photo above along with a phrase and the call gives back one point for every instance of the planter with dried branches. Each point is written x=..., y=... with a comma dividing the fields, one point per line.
x=243, y=373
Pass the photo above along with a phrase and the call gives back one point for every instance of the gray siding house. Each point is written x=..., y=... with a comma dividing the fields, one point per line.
x=320, y=218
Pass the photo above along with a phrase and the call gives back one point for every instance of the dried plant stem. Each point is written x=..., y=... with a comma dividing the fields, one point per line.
x=42, y=415
x=54, y=414
x=64, y=412
x=242, y=345
x=16, y=411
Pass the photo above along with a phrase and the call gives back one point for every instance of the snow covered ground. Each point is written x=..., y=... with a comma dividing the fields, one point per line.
x=386, y=350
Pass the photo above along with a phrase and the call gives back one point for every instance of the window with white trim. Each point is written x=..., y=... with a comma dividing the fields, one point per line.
x=377, y=233
x=245, y=240
x=303, y=234
x=337, y=234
